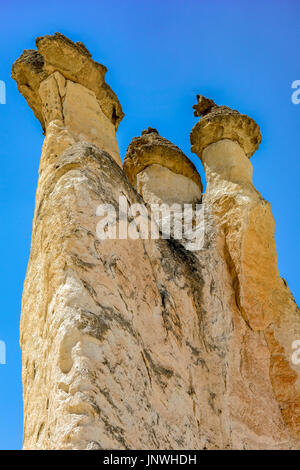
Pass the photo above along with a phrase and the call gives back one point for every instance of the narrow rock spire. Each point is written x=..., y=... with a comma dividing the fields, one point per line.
x=225, y=140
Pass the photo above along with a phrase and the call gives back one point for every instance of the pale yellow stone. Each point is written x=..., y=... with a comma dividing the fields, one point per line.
x=158, y=184
x=222, y=122
x=85, y=120
x=142, y=344
x=227, y=159
x=74, y=62
x=62, y=82
x=152, y=149
x=245, y=236
x=51, y=100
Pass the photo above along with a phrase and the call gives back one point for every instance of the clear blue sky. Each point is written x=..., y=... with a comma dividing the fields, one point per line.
x=159, y=54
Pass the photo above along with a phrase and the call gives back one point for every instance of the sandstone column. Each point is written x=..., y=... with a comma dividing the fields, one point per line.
x=78, y=112
x=143, y=344
x=224, y=140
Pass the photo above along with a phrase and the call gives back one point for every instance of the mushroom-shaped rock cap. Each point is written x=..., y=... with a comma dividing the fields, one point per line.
x=74, y=62
x=152, y=149
x=221, y=122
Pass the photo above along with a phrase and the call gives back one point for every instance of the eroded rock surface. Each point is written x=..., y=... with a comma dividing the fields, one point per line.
x=61, y=82
x=142, y=344
x=152, y=149
x=244, y=227
x=221, y=122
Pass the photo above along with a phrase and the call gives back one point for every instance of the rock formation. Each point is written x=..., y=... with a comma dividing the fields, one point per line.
x=143, y=344
x=67, y=92
x=160, y=171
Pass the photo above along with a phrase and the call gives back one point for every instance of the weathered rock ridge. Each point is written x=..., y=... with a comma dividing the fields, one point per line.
x=143, y=344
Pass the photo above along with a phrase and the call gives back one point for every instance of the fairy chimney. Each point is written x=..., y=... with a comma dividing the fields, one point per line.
x=160, y=171
x=143, y=343
x=224, y=140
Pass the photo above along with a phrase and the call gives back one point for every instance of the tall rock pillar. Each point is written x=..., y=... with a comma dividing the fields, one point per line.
x=225, y=140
